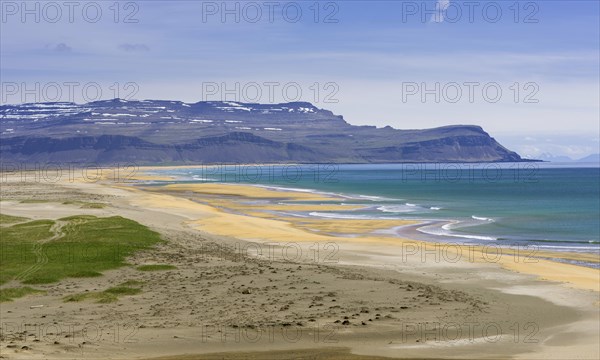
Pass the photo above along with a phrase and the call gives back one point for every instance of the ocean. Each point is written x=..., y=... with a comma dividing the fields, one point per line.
x=547, y=205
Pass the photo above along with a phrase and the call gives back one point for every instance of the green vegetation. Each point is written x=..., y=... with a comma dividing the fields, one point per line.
x=109, y=295
x=85, y=204
x=93, y=206
x=7, y=219
x=17, y=247
x=81, y=204
x=44, y=251
x=9, y=294
x=156, y=267
x=132, y=283
x=123, y=290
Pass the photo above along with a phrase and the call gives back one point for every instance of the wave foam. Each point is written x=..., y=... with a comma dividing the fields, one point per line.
x=345, y=216
x=481, y=218
x=445, y=230
x=396, y=208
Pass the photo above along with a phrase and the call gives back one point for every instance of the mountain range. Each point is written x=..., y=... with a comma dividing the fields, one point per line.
x=173, y=132
x=592, y=158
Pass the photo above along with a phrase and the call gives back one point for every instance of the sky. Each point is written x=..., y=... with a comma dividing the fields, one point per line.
x=528, y=72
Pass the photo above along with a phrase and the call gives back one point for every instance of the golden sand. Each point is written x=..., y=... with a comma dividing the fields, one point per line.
x=220, y=214
x=260, y=225
x=235, y=204
x=576, y=276
x=152, y=178
x=254, y=226
x=252, y=192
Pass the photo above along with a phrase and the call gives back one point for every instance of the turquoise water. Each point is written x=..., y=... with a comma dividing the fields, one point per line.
x=550, y=205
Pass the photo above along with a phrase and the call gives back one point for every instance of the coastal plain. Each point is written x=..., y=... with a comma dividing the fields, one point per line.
x=234, y=274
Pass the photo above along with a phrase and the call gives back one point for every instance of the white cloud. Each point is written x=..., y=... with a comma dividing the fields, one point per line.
x=440, y=9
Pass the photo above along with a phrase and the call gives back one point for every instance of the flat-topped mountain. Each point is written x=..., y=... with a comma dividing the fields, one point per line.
x=173, y=132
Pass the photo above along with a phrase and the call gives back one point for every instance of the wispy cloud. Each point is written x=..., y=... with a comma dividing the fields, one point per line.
x=440, y=9
x=62, y=47
x=134, y=47
x=560, y=54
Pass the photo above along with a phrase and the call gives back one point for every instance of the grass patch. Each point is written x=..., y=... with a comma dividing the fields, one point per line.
x=16, y=247
x=156, y=267
x=89, y=245
x=106, y=298
x=123, y=290
x=85, y=204
x=9, y=294
x=93, y=206
x=132, y=283
x=34, y=201
x=109, y=295
x=7, y=219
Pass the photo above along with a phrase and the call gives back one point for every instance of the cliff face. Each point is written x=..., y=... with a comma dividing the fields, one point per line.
x=171, y=132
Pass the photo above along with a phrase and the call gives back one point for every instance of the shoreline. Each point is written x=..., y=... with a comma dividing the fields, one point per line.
x=584, y=258
x=337, y=196
x=579, y=276
x=363, y=270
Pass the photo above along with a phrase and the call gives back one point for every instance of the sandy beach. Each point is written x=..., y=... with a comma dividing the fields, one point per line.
x=246, y=278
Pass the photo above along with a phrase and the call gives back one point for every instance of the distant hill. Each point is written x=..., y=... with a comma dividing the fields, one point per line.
x=173, y=132
x=559, y=158
x=553, y=158
x=590, y=158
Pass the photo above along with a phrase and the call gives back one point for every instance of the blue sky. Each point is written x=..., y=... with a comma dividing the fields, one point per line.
x=369, y=53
